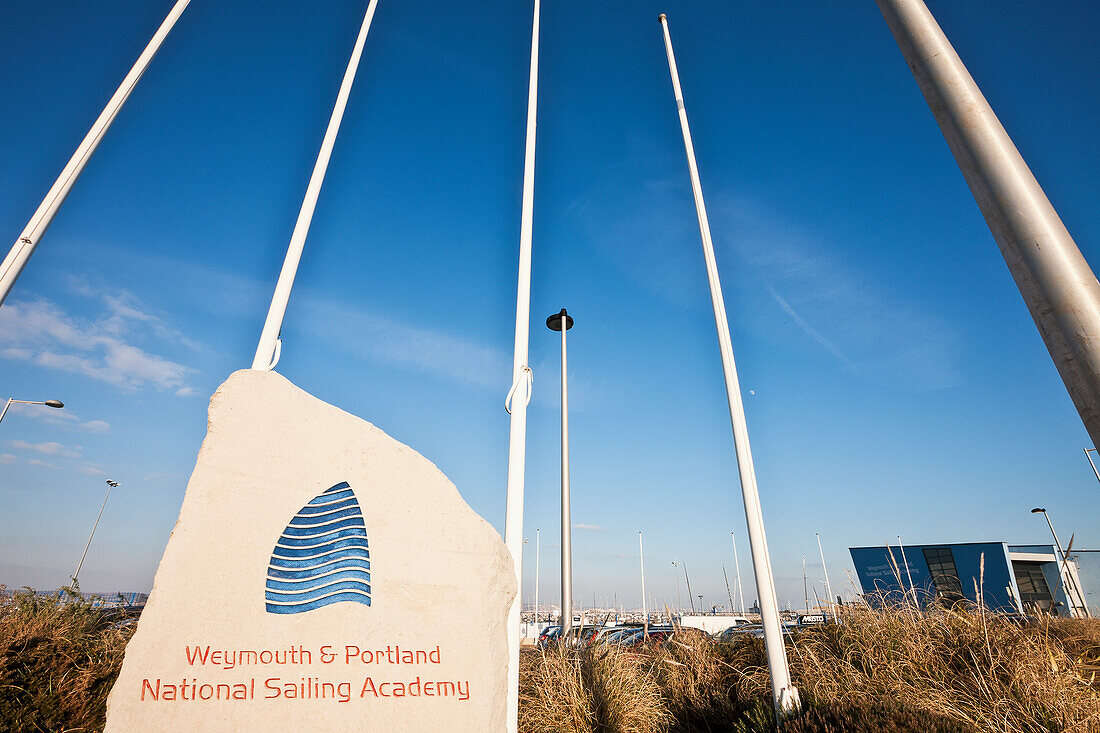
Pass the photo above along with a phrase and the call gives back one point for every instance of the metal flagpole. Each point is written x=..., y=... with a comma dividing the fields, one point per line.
x=687, y=579
x=1059, y=288
x=679, y=603
x=520, y=394
x=805, y=592
x=728, y=591
x=270, y=346
x=24, y=247
x=737, y=569
x=828, y=588
x=784, y=693
x=641, y=562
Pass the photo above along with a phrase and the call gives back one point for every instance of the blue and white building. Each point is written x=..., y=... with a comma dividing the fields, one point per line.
x=1025, y=579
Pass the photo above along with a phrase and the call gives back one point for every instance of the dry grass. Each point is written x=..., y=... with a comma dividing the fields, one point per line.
x=57, y=664
x=566, y=691
x=978, y=669
x=948, y=671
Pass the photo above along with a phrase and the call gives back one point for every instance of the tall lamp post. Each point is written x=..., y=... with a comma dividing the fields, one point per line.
x=641, y=563
x=76, y=584
x=57, y=404
x=537, y=542
x=562, y=321
x=1063, y=570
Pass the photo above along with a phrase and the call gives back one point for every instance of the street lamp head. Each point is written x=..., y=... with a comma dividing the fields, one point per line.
x=111, y=483
x=54, y=403
x=1037, y=510
x=553, y=321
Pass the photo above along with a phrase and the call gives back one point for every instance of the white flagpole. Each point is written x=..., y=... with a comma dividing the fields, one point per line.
x=784, y=693
x=24, y=247
x=737, y=567
x=520, y=394
x=267, y=351
x=828, y=588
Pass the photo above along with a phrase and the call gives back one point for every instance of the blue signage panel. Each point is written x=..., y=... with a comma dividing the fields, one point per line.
x=948, y=572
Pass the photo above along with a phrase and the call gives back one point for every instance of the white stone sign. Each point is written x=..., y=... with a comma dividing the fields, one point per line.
x=321, y=576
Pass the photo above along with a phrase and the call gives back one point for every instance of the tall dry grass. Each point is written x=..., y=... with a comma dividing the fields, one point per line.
x=566, y=690
x=981, y=670
x=57, y=665
x=944, y=671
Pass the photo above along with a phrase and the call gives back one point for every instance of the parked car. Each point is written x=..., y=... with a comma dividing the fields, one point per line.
x=578, y=635
x=655, y=635
x=549, y=635
x=610, y=633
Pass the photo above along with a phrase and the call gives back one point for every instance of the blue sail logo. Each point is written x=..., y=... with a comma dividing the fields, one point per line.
x=321, y=557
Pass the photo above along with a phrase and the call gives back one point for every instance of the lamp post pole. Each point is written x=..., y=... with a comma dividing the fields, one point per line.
x=76, y=584
x=57, y=404
x=537, y=582
x=641, y=563
x=25, y=245
x=784, y=693
x=563, y=322
x=1068, y=582
x=1057, y=284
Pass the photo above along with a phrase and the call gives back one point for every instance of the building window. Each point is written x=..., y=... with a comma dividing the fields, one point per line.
x=1034, y=591
x=945, y=576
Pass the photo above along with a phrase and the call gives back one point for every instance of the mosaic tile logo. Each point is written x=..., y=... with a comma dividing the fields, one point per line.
x=321, y=557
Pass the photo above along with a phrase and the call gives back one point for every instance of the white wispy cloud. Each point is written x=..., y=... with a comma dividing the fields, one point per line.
x=389, y=340
x=44, y=464
x=49, y=448
x=810, y=330
x=91, y=470
x=7, y=458
x=101, y=347
x=589, y=527
x=840, y=304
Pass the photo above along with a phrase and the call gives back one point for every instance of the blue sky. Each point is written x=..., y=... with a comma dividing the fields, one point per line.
x=895, y=383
